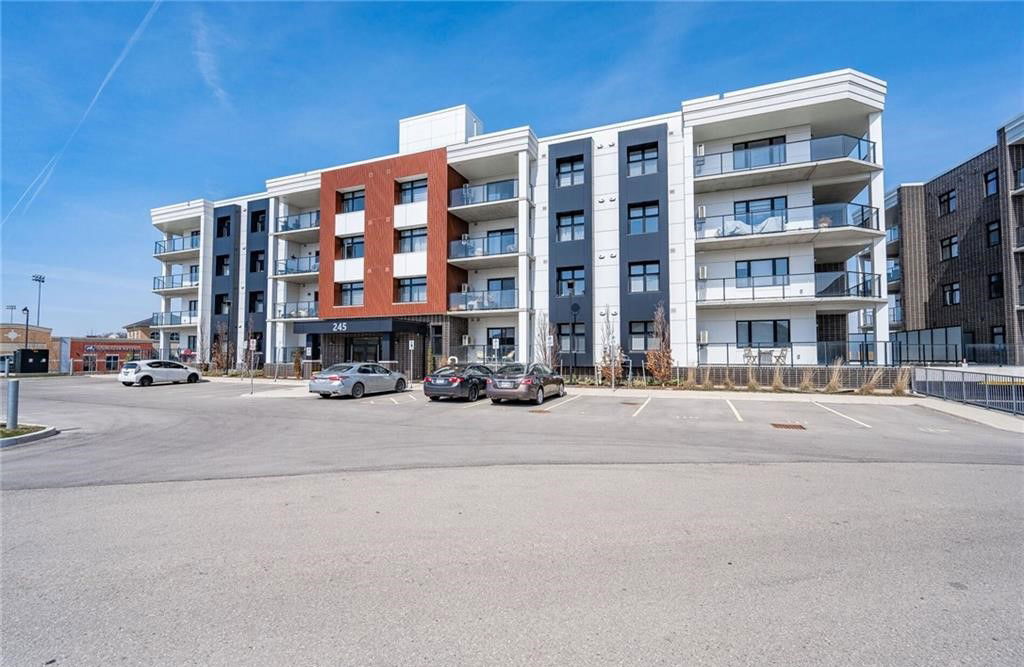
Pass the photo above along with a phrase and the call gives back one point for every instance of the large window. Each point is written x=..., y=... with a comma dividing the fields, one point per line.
x=501, y=284
x=112, y=361
x=949, y=247
x=643, y=218
x=572, y=337
x=353, y=201
x=947, y=202
x=569, y=171
x=758, y=153
x=644, y=276
x=998, y=335
x=762, y=333
x=412, y=191
x=412, y=240
x=995, y=286
x=257, y=221
x=257, y=261
x=506, y=336
x=641, y=336
x=351, y=294
x=756, y=211
x=222, y=265
x=571, y=281
x=991, y=182
x=352, y=247
x=412, y=290
x=570, y=226
x=223, y=226
x=762, y=272
x=89, y=363
x=642, y=160
x=222, y=304
x=994, y=233
x=255, y=302
x=951, y=294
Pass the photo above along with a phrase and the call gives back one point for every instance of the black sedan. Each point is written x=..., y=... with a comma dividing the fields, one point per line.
x=457, y=381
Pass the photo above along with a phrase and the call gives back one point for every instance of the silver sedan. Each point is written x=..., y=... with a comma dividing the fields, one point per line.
x=355, y=380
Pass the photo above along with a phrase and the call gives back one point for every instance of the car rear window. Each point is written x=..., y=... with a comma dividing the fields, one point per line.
x=512, y=369
x=446, y=371
x=130, y=364
x=339, y=368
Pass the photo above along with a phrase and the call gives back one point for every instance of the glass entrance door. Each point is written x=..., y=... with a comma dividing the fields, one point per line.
x=365, y=349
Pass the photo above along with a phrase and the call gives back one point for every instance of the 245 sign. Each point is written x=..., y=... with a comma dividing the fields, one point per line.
x=339, y=326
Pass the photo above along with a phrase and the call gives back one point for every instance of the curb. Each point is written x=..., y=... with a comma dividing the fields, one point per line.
x=28, y=437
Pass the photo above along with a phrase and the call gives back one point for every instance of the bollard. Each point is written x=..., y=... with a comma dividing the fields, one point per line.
x=12, y=404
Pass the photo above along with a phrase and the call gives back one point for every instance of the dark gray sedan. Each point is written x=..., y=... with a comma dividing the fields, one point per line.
x=524, y=382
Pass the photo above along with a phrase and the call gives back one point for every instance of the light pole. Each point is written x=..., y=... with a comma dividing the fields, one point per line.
x=10, y=315
x=24, y=311
x=40, y=279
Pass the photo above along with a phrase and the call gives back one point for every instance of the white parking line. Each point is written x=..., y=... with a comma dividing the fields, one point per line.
x=734, y=410
x=412, y=397
x=836, y=412
x=640, y=409
x=392, y=400
x=568, y=400
x=482, y=401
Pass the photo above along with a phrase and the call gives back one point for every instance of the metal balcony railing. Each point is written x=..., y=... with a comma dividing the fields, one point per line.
x=295, y=309
x=483, y=354
x=176, y=244
x=486, y=192
x=307, y=220
x=297, y=265
x=483, y=246
x=820, y=216
x=794, y=152
x=826, y=284
x=484, y=300
x=176, y=280
x=175, y=317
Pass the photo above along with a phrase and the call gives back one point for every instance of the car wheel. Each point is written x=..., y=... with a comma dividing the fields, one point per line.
x=435, y=398
x=193, y=378
x=324, y=395
x=127, y=384
x=474, y=393
x=495, y=400
x=561, y=389
x=146, y=381
x=400, y=385
x=358, y=390
x=540, y=397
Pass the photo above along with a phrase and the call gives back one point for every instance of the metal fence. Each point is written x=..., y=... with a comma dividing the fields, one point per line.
x=986, y=390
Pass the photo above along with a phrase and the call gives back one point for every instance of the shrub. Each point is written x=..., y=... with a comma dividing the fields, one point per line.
x=691, y=379
x=728, y=383
x=752, y=383
x=777, y=383
x=807, y=380
x=871, y=385
x=902, y=383
x=835, y=377
x=707, y=384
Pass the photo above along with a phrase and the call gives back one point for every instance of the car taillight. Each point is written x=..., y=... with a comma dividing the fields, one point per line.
x=455, y=380
x=426, y=379
x=335, y=378
x=526, y=381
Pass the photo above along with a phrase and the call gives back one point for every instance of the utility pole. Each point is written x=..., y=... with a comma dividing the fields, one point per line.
x=24, y=311
x=10, y=315
x=40, y=279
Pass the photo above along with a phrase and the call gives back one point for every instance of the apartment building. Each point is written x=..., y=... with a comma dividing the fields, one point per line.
x=753, y=218
x=955, y=252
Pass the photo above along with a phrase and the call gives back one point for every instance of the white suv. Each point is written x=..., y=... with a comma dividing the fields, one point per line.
x=145, y=373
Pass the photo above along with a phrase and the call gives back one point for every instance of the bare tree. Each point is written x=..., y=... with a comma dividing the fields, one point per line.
x=659, y=357
x=219, y=353
x=542, y=329
x=610, y=365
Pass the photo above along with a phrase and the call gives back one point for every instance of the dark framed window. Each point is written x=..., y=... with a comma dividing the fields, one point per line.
x=352, y=247
x=111, y=362
x=998, y=335
x=353, y=201
x=222, y=265
x=569, y=171
x=756, y=211
x=222, y=304
x=642, y=160
x=500, y=284
x=256, y=302
x=762, y=272
x=572, y=337
x=174, y=336
x=89, y=363
x=994, y=233
x=412, y=240
x=758, y=152
x=570, y=226
x=223, y=226
x=947, y=202
x=412, y=191
x=571, y=280
x=951, y=294
x=641, y=336
x=995, y=285
x=949, y=247
x=506, y=336
x=257, y=221
x=257, y=261
x=762, y=333
x=643, y=218
x=350, y=294
x=991, y=182
x=644, y=276
x=412, y=290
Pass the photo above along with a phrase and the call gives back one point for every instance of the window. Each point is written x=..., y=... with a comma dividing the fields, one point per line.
x=154, y=335
x=994, y=233
x=641, y=337
x=412, y=240
x=190, y=342
x=644, y=277
x=353, y=201
x=951, y=294
x=222, y=267
x=947, y=202
x=111, y=362
x=255, y=302
x=174, y=336
x=642, y=160
x=570, y=226
x=412, y=290
x=221, y=304
x=569, y=171
x=762, y=272
x=506, y=336
x=758, y=153
x=257, y=221
x=762, y=333
x=643, y=218
x=352, y=247
x=571, y=281
x=991, y=182
x=998, y=335
x=89, y=363
x=995, y=286
x=756, y=211
x=500, y=284
x=257, y=261
x=412, y=191
x=572, y=337
x=223, y=226
x=949, y=247
x=351, y=294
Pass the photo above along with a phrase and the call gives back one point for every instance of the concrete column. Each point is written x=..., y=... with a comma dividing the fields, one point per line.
x=524, y=283
x=877, y=200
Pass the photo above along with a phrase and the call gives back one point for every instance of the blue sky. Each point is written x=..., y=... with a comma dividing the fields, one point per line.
x=212, y=99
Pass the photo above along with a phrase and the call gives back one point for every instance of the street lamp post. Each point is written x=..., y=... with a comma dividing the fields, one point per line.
x=24, y=311
x=10, y=315
x=39, y=279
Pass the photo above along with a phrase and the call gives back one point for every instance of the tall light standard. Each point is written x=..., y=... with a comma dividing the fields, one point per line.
x=24, y=311
x=40, y=279
x=10, y=315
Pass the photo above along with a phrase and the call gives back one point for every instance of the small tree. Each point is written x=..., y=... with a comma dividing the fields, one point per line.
x=297, y=362
x=610, y=365
x=542, y=329
x=659, y=359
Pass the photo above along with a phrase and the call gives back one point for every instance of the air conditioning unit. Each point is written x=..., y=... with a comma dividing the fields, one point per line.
x=465, y=287
x=702, y=272
x=700, y=150
x=702, y=211
x=702, y=337
x=467, y=340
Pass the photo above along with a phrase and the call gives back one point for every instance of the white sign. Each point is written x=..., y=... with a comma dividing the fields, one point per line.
x=412, y=344
x=252, y=344
x=494, y=343
x=551, y=340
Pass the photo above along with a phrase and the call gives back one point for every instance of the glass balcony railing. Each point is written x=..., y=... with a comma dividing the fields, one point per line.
x=895, y=315
x=795, y=152
x=307, y=220
x=485, y=300
x=892, y=234
x=827, y=284
x=483, y=246
x=175, y=317
x=484, y=354
x=295, y=309
x=820, y=216
x=893, y=273
x=297, y=265
x=487, y=192
x=176, y=280
x=176, y=244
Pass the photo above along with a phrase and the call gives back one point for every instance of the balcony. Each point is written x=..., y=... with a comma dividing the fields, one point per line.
x=487, y=201
x=793, y=353
x=176, y=282
x=484, y=354
x=295, y=310
x=837, y=223
x=892, y=234
x=850, y=289
x=300, y=227
x=301, y=267
x=894, y=273
x=507, y=299
x=833, y=156
x=179, y=246
x=895, y=315
x=482, y=252
x=176, y=318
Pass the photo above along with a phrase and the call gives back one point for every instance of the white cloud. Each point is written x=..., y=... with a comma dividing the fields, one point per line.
x=206, y=60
